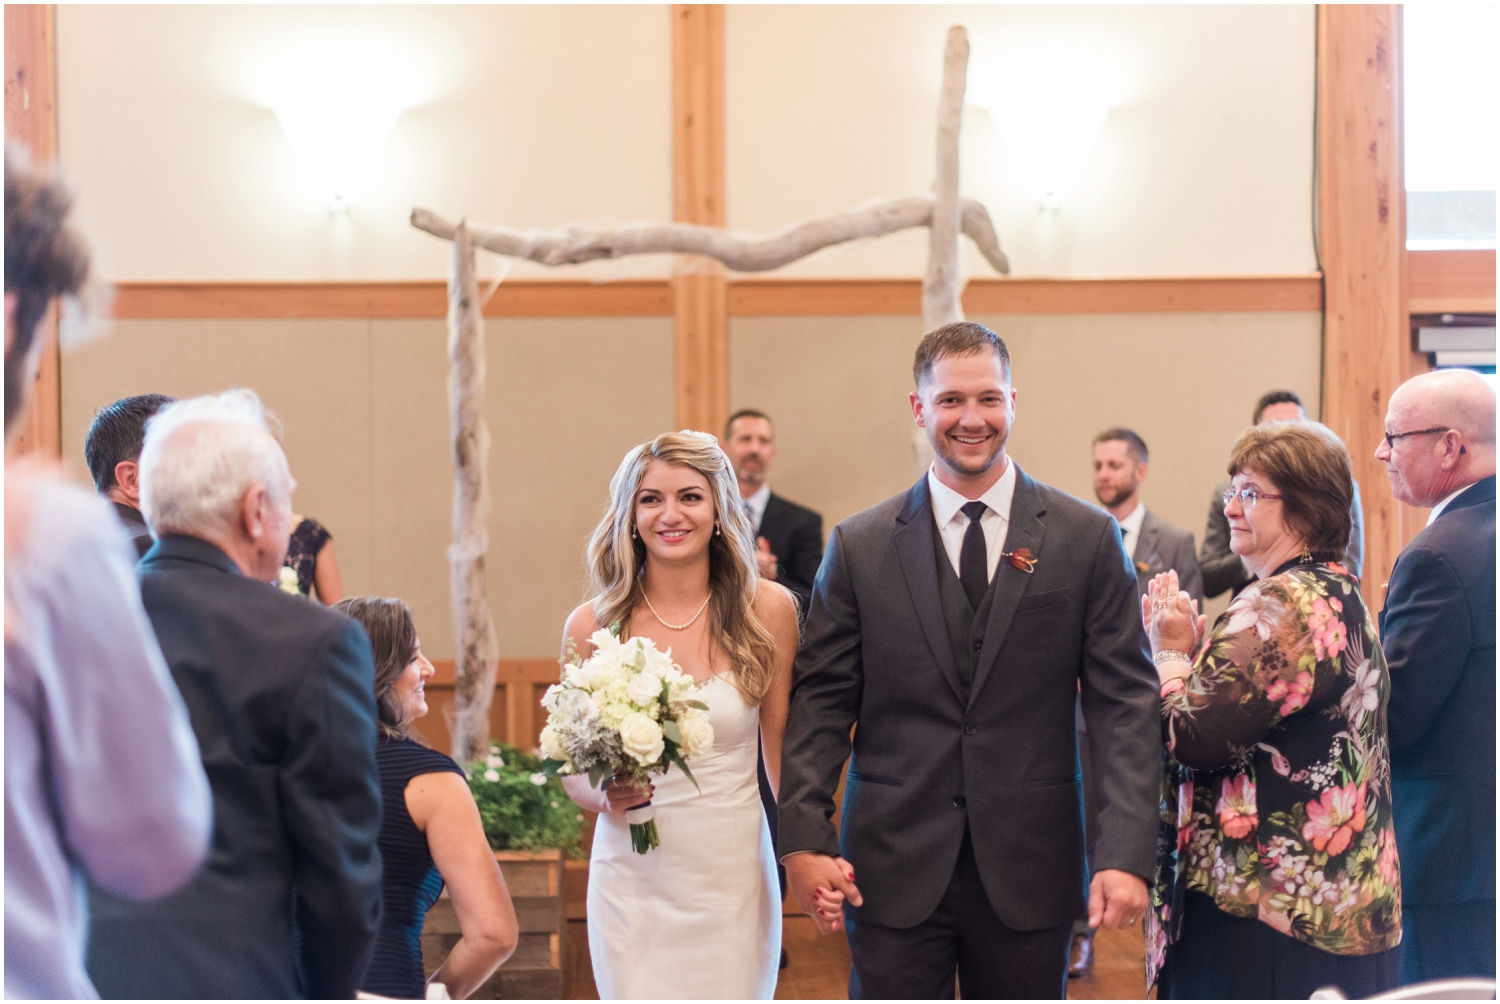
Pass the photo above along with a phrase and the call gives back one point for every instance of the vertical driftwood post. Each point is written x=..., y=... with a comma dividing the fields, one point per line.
x=941, y=303
x=474, y=677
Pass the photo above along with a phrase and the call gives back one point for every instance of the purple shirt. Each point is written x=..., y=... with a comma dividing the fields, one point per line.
x=102, y=772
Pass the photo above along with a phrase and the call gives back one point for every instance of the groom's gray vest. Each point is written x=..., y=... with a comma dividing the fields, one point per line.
x=965, y=624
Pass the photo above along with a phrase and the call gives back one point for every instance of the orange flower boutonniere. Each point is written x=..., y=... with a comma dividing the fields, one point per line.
x=1020, y=558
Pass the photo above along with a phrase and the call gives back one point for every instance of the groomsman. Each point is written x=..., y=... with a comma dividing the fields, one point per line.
x=1438, y=632
x=112, y=449
x=789, y=537
x=952, y=629
x=1121, y=463
x=1222, y=569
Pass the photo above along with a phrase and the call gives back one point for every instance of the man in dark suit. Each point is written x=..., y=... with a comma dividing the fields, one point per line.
x=1121, y=465
x=281, y=696
x=1438, y=632
x=789, y=537
x=789, y=542
x=956, y=625
x=112, y=449
x=1221, y=568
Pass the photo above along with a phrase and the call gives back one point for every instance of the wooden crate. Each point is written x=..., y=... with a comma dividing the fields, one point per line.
x=536, y=886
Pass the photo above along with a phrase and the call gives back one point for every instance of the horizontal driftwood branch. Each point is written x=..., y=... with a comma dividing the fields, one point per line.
x=738, y=251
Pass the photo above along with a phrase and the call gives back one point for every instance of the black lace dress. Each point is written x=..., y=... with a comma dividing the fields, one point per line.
x=302, y=553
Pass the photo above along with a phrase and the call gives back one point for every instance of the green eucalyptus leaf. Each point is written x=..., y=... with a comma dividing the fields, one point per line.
x=697, y=704
x=671, y=731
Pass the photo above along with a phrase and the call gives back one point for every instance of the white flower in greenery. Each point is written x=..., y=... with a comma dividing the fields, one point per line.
x=494, y=760
x=538, y=779
x=641, y=738
x=644, y=688
x=551, y=742
x=287, y=581
x=697, y=733
x=492, y=775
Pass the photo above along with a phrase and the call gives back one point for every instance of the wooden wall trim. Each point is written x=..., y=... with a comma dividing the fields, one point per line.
x=31, y=118
x=700, y=315
x=1361, y=212
x=1451, y=282
x=745, y=297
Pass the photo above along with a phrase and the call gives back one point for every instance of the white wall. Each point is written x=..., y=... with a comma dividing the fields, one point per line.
x=524, y=115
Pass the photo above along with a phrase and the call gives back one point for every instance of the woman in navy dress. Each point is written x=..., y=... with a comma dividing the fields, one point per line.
x=431, y=832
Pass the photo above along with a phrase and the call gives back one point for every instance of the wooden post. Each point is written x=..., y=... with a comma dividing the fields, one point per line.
x=1362, y=223
x=941, y=294
x=31, y=119
x=474, y=670
x=699, y=288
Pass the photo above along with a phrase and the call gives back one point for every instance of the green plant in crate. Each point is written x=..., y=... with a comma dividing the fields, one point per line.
x=522, y=808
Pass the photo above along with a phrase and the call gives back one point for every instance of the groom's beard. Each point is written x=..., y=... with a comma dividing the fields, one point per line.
x=972, y=466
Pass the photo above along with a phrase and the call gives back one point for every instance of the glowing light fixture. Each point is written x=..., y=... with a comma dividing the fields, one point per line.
x=338, y=140
x=1048, y=140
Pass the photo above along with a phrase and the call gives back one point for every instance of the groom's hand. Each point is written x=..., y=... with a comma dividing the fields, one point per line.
x=820, y=884
x=1116, y=899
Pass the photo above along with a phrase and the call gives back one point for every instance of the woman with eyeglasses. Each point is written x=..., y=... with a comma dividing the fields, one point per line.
x=1277, y=871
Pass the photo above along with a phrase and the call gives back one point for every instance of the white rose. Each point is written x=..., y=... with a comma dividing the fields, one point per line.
x=551, y=742
x=697, y=733
x=644, y=688
x=641, y=738
x=602, y=669
x=576, y=706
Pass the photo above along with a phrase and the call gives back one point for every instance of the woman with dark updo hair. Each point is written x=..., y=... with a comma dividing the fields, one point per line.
x=431, y=832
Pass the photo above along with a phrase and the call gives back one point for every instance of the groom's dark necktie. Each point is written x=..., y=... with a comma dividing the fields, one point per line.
x=973, y=560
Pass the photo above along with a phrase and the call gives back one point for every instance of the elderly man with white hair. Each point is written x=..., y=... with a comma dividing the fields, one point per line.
x=281, y=696
x=1438, y=632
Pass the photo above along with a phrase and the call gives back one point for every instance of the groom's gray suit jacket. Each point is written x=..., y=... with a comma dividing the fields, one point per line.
x=933, y=753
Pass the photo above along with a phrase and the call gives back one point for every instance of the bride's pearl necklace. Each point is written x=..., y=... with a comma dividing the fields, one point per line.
x=677, y=627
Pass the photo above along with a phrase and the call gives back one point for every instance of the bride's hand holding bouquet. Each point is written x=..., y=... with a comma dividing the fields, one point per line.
x=618, y=717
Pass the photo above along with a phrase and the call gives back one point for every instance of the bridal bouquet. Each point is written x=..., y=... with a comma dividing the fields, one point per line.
x=629, y=711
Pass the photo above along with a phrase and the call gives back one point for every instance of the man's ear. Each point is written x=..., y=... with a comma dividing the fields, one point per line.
x=254, y=509
x=127, y=476
x=916, y=409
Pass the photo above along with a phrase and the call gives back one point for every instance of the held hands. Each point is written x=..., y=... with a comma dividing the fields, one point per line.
x=820, y=884
x=765, y=559
x=1171, y=616
x=1116, y=899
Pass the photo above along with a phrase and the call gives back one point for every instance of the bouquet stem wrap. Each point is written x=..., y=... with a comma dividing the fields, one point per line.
x=642, y=820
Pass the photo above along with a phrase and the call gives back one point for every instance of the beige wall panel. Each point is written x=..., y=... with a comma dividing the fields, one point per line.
x=315, y=376
x=527, y=115
x=567, y=398
x=1193, y=173
x=1186, y=383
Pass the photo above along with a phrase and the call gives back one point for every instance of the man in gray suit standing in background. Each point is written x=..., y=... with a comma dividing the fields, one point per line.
x=1121, y=463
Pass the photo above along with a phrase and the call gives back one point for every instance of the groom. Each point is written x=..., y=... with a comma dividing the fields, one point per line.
x=952, y=627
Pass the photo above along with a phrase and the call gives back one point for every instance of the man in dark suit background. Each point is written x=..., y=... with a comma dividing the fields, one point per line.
x=1438, y=632
x=112, y=450
x=1222, y=569
x=1121, y=465
x=789, y=537
x=281, y=696
x=956, y=625
x=789, y=541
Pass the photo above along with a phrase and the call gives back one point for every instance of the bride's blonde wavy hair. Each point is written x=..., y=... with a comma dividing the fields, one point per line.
x=615, y=558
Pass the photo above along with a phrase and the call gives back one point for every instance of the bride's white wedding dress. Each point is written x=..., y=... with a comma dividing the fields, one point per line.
x=699, y=916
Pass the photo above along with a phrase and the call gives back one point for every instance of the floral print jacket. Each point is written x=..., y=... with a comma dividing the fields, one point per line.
x=1276, y=799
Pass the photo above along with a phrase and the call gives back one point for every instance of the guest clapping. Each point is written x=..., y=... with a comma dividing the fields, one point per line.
x=102, y=776
x=281, y=693
x=431, y=832
x=1277, y=867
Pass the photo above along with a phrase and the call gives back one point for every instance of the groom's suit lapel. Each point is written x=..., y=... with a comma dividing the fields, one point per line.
x=1026, y=530
x=915, y=549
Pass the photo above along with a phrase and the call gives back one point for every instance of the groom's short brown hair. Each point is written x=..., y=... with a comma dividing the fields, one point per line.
x=961, y=338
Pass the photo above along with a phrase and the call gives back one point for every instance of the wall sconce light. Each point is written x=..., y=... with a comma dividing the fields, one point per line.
x=1048, y=141
x=337, y=136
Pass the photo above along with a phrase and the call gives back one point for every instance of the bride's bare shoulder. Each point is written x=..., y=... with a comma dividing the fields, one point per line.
x=774, y=604
x=578, y=627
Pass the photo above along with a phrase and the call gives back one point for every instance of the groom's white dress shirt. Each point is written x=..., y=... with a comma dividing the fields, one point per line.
x=947, y=510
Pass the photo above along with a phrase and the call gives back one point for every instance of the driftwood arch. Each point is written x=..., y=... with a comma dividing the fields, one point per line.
x=945, y=213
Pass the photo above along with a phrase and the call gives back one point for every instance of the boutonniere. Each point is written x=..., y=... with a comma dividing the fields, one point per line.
x=1020, y=558
x=1141, y=566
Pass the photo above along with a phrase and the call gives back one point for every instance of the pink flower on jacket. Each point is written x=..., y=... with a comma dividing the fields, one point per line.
x=1237, y=807
x=1335, y=567
x=1389, y=865
x=1327, y=628
x=1184, y=814
x=1335, y=817
x=1292, y=695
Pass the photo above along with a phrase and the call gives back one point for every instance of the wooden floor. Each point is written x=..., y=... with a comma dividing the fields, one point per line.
x=818, y=967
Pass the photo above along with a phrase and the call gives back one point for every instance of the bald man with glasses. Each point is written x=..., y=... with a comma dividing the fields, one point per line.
x=1438, y=632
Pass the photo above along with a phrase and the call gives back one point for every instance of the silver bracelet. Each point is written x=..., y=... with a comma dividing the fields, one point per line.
x=1171, y=655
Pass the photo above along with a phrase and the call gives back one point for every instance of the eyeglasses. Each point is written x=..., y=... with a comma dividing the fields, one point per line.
x=1391, y=437
x=1247, y=496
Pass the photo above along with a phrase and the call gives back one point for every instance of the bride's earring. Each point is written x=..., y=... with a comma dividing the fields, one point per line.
x=717, y=531
x=634, y=534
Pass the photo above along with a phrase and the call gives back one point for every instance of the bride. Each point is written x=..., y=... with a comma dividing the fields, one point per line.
x=673, y=560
